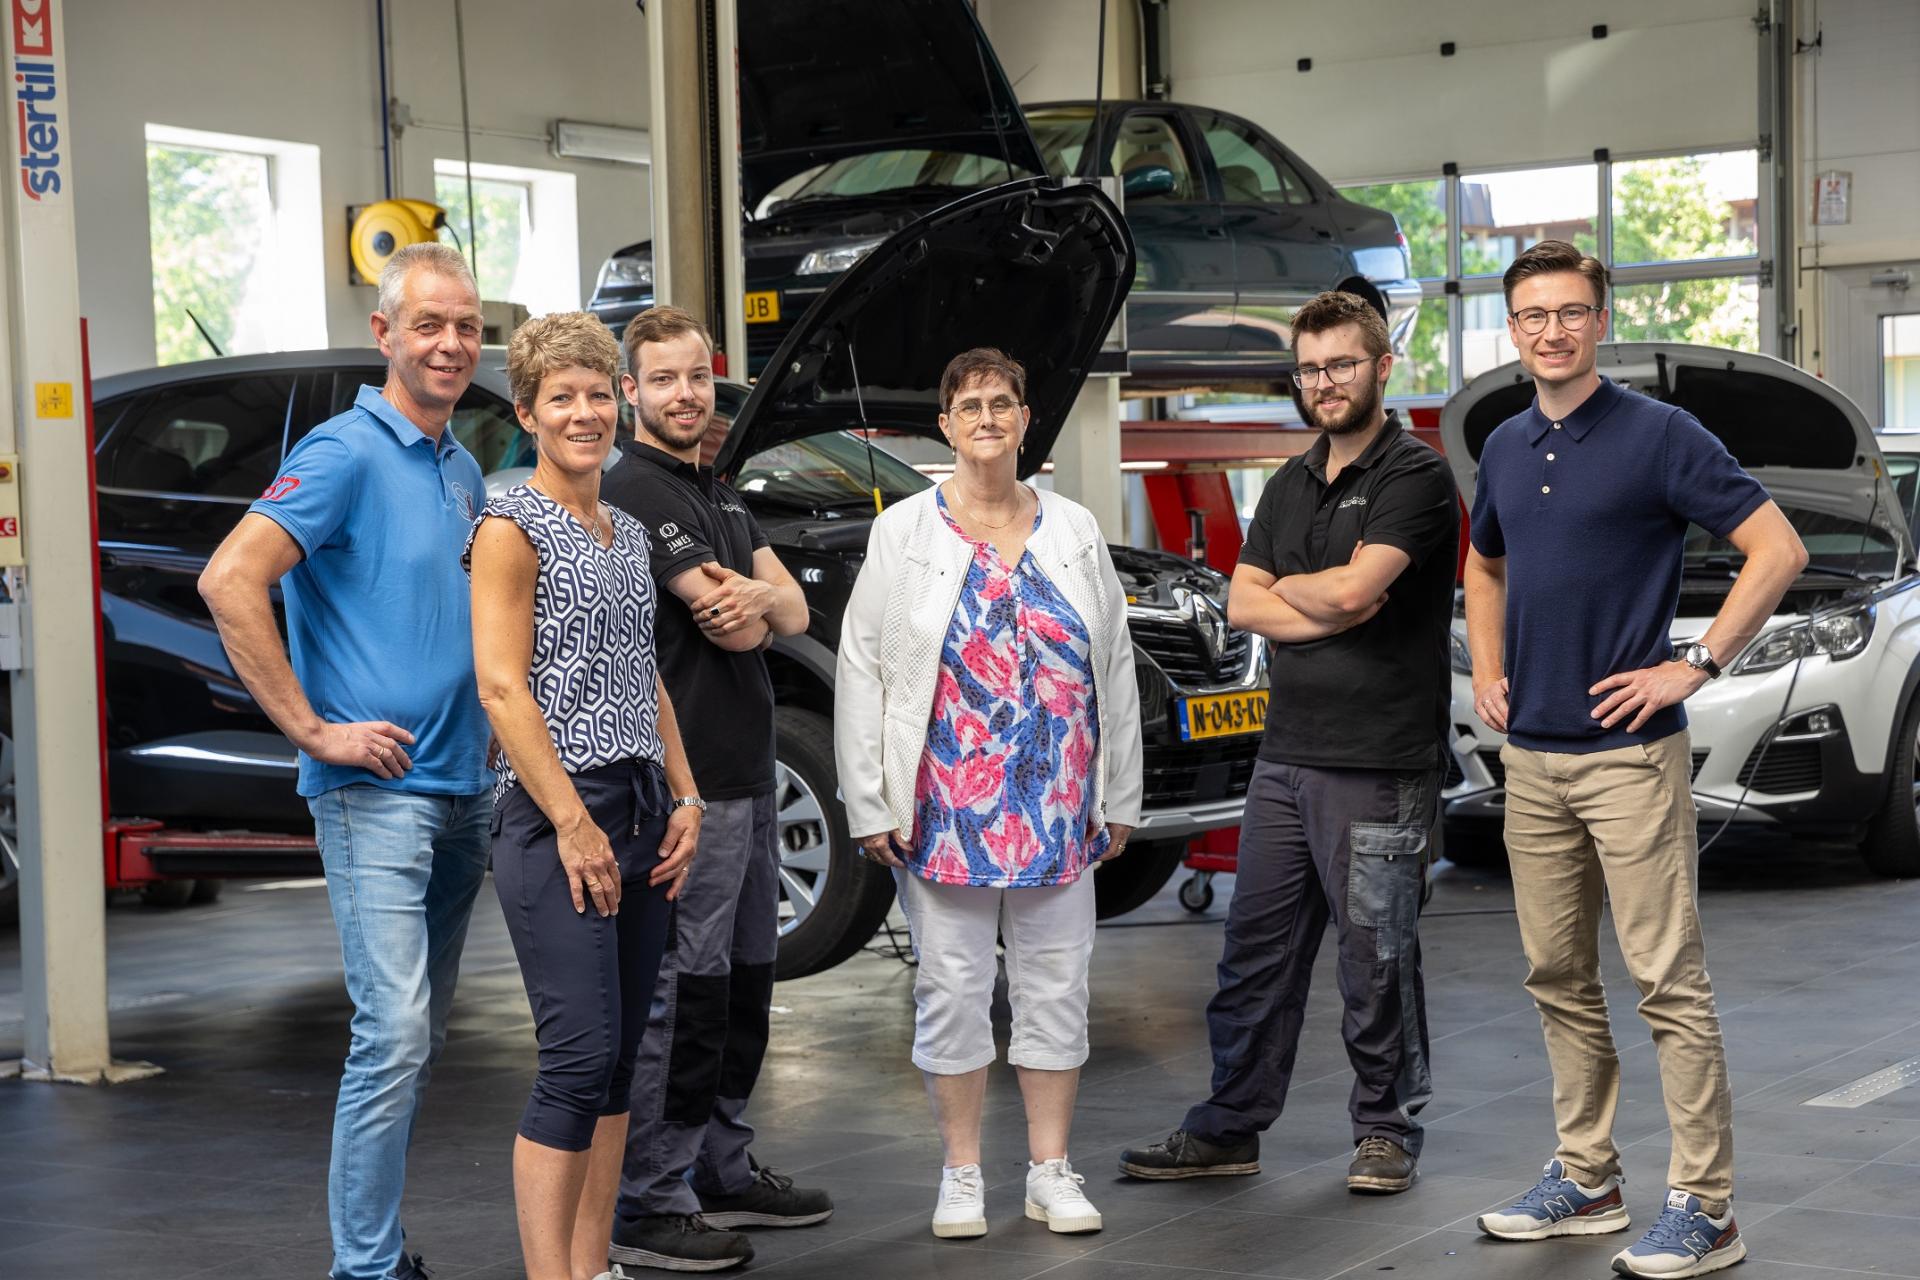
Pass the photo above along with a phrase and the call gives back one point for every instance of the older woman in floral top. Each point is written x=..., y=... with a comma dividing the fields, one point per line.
x=987, y=730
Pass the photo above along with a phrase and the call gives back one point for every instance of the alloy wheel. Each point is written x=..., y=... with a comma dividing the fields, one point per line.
x=806, y=853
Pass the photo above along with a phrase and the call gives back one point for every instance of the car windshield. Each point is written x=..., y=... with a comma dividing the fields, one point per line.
x=880, y=172
x=1062, y=135
x=827, y=473
x=1839, y=545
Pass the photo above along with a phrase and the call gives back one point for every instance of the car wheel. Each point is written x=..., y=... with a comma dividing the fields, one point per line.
x=831, y=898
x=1131, y=880
x=1892, y=846
x=167, y=894
x=1476, y=843
x=9, y=837
x=206, y=891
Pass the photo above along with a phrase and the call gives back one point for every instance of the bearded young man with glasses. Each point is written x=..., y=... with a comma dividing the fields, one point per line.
x=1348, y=570
x=1580, y=513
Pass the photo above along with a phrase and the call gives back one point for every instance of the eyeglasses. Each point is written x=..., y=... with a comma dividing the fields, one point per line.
x=1573, y=317
x=968, y=412
x=1339, y=373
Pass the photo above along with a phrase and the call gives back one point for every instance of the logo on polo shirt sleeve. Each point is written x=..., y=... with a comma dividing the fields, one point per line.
x=280, y=488
x=674, y=537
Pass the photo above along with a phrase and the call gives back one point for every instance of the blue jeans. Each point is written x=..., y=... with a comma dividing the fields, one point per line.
x=402, y=873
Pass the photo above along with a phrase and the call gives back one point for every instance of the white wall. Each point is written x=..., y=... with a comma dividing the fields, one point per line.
x=1527, y=82
x=1046, y=47
x=1860, y=112
x=309, y=72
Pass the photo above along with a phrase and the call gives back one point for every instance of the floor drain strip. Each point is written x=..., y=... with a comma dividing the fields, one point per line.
x=1867, y=1088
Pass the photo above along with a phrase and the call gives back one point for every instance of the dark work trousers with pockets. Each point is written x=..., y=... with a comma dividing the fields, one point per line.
x=708, y=1031
x=1345, y=843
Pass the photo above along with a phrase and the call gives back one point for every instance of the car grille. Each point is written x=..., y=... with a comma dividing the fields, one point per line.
x=1176, y=648
x=1199, y=772
x=1788, y=767
x=1490, y=758
x=1454, y=776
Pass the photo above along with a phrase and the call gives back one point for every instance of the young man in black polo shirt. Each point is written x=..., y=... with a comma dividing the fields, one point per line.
x=724, y=594
x=1349, y=570
x=1580, y=514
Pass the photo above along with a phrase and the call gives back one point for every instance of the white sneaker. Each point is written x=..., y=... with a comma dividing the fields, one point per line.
x=1054, y=1197
x=962, y=1209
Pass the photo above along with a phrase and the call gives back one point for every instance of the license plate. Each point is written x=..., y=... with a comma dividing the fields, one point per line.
x=1222, y=715
x=763, y=307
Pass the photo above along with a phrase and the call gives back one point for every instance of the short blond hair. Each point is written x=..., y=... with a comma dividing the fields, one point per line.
x=563, y=340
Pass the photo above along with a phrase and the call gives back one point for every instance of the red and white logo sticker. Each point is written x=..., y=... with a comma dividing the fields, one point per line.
x=280, y=488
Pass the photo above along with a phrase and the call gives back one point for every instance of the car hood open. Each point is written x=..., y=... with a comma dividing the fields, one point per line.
x=1804, y=440
x=835, y=78
x=1035, y=268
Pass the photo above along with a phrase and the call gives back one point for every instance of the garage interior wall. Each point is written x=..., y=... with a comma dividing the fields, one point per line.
x=300, y=72
x=1527, y=82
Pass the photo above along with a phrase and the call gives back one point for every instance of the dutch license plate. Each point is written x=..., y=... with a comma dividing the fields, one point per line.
x=763, y=307
x=1222, y=715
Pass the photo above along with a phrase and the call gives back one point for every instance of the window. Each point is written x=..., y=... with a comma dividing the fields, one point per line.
x=1503, y=213
x=1144, y=142
x=1421, y=369
x=1684, y=208
x=525, y=229
x=1719, y=311
x=216, y=437
x=483, y=423
x=234, y=234
x=1421, y=210
x=1252, y=170
x=1062, y=135
x=1484, y=343
x=1900, y=360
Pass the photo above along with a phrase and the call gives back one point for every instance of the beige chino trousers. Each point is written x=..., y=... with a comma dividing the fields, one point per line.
x=1622, y=820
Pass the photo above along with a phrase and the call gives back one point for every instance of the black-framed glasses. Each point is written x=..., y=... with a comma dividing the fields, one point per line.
x=968, y=412
x=1337, y=372
x=1573, y=317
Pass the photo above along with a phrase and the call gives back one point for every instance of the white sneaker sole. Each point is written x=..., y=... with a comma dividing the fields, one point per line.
x=1712, y=1262
x=962, y=1230
x=1595, y=1225
x=1061, y=1224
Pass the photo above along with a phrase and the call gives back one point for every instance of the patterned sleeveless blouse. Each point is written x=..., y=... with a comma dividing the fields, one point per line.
x=593, y=671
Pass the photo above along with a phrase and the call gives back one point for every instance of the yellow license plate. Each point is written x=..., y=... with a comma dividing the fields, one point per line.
x=763, y=307
x=1222, y=715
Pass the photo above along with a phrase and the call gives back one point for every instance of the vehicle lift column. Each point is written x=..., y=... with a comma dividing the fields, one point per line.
x=51, y=573
x=693, y=91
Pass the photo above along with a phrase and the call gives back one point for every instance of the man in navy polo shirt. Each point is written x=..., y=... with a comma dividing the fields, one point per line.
x=363, y=529
x=1580, y=512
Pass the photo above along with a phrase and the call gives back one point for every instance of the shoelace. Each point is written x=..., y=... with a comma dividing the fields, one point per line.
x=962, y=1186
x=1543, y=1190
x=418, y=1263
x=691, y=1224
x=778, y=1181
x=1670, y=1230
x=1376, y=1149
x=1060, y=1171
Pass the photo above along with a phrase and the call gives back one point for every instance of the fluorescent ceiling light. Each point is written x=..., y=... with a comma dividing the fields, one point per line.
x=579, y=141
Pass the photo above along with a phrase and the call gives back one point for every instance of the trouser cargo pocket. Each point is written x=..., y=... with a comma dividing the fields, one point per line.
x=1384, y=873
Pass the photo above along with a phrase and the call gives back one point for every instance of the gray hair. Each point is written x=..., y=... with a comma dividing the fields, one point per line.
x=429, y=255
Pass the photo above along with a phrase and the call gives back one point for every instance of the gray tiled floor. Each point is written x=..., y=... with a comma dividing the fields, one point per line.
x=218, y=1167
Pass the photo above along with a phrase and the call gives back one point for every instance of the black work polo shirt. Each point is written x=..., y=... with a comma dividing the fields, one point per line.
x=723, y=701
x=1373, y=696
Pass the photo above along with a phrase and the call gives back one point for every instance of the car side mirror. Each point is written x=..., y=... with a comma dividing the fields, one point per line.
x=1148, y=180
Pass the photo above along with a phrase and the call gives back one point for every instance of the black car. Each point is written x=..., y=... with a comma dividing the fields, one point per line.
x=857, y=118
x=183, y=450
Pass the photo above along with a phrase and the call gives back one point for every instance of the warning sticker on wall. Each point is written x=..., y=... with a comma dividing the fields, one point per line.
x=53, y=399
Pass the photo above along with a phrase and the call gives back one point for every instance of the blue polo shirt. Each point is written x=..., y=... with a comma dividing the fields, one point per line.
x=1591, y=512
x=377, y=611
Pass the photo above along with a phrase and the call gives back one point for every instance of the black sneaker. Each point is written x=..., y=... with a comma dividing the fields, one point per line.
x=1380, y=1167
x=1184, y=1156
x=675, y=1242
x=410, y=1267
x=771, y=1201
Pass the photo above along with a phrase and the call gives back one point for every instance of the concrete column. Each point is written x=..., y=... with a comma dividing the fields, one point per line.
x=1086, y=458
x=56, y=708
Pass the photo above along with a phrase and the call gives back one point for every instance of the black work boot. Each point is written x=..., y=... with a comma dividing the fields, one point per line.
x=1184, y=1156
x=770, y=1201
x=1380, y=1167
x=674, y=1242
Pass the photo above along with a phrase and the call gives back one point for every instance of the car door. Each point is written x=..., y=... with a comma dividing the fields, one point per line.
x=1183, y=293
x=1285, y=249
x=483, y=422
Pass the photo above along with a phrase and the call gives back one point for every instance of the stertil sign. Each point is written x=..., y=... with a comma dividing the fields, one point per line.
x=36, y=95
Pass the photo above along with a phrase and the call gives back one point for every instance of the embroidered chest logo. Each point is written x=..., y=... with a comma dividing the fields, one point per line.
x=465, y=499
x=1357, y=500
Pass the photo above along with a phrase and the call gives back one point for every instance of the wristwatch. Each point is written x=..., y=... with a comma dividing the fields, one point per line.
x=1700, y=658
x=689, y=802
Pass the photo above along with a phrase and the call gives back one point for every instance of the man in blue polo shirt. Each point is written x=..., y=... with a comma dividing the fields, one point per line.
x=1580, y=511
x=363, y=529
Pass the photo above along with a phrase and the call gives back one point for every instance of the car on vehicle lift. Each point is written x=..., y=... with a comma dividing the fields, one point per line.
x=182, y=450
x=1814, y=729
x=1233, y=231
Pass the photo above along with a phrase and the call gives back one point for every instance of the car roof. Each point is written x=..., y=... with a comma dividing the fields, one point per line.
x=492, y=372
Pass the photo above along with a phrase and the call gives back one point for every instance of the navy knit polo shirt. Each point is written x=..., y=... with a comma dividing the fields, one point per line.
x=1591, y=512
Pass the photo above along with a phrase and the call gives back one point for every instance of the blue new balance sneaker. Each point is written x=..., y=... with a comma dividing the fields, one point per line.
x=1559, y=1206
x=1683, y=1242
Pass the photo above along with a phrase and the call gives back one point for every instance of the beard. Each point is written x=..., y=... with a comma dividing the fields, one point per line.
x=669, y=432
x=1363, y=401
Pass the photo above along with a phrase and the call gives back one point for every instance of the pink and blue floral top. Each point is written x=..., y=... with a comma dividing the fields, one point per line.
x=1003, y=797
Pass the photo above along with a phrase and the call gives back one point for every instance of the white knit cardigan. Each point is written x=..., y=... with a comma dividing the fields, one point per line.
x=890, y=643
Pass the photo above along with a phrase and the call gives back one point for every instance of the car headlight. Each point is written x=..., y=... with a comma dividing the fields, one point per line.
x=1837, y=635
x=831, y=262
x=1458, y=654
x=626, y=271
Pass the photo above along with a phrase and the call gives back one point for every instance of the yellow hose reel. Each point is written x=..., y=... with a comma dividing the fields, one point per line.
x=385, y=227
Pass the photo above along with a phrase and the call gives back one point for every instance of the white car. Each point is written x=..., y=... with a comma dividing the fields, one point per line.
x=1813, y=728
